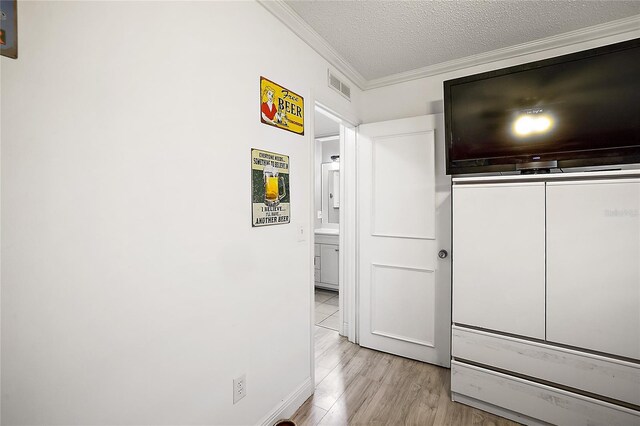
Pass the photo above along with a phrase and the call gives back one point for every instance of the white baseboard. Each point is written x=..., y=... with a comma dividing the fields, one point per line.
x=290, y=404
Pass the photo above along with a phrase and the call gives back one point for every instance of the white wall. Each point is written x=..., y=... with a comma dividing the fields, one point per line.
x=329, y=149
x=133, y=287
x=425, y=95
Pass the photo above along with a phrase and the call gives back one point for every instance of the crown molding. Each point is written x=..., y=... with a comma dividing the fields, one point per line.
x=620, y=26
x=295, y=23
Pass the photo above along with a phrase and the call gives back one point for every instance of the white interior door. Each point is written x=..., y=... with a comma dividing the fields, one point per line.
x=403, y=222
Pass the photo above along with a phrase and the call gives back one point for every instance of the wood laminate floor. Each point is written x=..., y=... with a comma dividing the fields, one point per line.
x=359, y=386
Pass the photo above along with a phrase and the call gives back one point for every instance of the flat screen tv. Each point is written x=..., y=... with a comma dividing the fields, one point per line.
x=575, y=110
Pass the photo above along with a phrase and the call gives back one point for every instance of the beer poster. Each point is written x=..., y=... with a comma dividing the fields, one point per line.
x=280, y=107
x=8, y=28
x=269, y=188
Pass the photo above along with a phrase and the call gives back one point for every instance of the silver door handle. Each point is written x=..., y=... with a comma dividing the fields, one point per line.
x=442, y=254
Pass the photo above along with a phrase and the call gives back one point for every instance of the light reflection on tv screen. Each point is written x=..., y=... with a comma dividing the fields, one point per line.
x=556, y=111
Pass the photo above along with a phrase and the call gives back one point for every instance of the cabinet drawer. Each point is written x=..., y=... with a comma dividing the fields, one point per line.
x=327, y=239
x=590, y=373
x=532, y=399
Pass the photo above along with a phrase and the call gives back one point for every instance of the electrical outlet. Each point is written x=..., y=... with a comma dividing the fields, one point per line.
x=319, y=214
x=239, y=388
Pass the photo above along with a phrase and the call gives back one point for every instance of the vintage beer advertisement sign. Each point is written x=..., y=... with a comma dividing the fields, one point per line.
x=9, y=28
x=269, y=188
x=281, y=107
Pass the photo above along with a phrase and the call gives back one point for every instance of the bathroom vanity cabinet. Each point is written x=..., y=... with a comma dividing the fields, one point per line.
x=326, y=261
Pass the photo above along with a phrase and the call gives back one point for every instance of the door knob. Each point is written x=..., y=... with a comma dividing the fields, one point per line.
x=443, y=254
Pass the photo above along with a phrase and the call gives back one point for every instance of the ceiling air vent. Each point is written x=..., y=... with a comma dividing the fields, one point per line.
x=340, y=87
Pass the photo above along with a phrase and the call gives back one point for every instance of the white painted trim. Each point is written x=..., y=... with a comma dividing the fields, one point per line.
x=312, y=237
x=356, y=241
x=407, y=237
x=347, y=225
x=348, y=229
x=296, y=24
x=403, y=339
x=408, y=268
x=328, y=138
x=343, y=302
x=290, y=404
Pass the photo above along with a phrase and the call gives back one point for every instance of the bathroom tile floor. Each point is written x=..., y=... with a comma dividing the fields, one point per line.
x=326, y=309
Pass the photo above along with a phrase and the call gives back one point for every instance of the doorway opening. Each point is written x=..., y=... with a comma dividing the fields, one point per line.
x=333, y=160
x=327, y=204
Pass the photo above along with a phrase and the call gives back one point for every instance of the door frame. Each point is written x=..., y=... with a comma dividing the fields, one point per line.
x=348, y=232
x=347, y=227
x=347, y=238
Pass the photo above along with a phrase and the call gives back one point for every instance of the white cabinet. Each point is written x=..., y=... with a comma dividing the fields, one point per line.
x=326, y=261
x=498, y=258
x=593, y=265
x=329, y=264
x=555, y=262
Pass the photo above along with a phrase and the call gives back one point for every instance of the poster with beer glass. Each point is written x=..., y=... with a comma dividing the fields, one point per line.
x=269, y=188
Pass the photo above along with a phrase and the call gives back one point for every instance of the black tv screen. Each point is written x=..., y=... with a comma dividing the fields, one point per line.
x=581, y=109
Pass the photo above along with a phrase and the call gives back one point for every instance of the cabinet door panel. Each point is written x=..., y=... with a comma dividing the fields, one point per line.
x=329, y=264
x=593, y=265
x=498, y=257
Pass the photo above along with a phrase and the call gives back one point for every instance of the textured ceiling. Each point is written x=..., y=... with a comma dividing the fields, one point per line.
x=381, y=38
